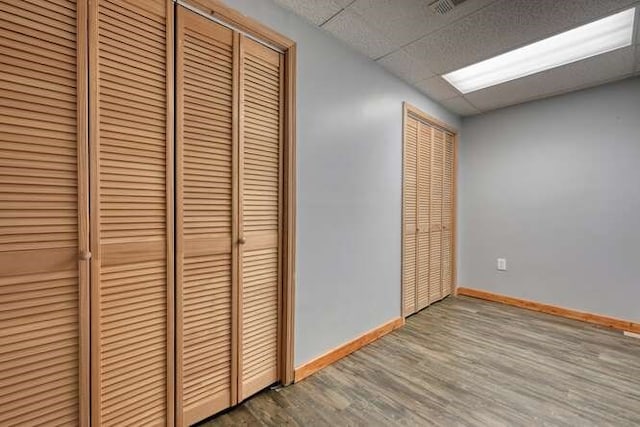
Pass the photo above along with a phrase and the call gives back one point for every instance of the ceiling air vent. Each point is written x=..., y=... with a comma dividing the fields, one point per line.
x=442, y=7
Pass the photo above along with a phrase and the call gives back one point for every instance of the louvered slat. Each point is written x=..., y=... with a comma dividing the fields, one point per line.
x=204, y=216
x=410, y=216
x=131, y=300
x=260, y=130
x=39, y=234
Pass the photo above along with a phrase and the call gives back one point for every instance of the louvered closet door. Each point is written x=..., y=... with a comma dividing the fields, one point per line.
x=260, y=199
x=435, y=213
x=43, y=213
x=132, y=290
x=409, y=252
x=205, y=194
x=429, y=209
x=424, y=214
x=448, y=215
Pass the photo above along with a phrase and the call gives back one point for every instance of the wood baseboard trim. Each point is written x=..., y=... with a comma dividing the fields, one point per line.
x=596, y=319
x=346, y=349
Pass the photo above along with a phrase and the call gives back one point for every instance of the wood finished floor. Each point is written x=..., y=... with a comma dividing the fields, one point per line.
x=467, y=362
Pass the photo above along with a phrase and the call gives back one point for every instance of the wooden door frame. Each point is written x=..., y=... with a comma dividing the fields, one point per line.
x=84, y=244
x=171, y=212
x=254, y=29
x=409, y=110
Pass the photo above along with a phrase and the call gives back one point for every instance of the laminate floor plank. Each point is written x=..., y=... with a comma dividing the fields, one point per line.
x=466, y=362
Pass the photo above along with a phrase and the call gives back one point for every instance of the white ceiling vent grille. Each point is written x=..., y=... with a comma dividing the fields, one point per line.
x=442, y=7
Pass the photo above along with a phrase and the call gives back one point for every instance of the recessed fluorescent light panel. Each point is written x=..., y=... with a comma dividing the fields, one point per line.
x=607, y=34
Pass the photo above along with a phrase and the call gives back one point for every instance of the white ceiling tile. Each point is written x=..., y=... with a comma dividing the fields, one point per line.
x=474, y=31
x=351, y=28
x=460, y=106
x=316, y=11
x=505, y=25
x=598, y=69
x=404, y=66
x=403, y=21
x=437, y=88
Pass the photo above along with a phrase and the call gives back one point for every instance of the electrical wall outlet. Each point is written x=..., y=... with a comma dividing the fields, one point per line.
x=502, y=264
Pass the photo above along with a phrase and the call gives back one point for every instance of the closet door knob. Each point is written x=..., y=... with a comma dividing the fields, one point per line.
x=242, y=241
x=84, y=255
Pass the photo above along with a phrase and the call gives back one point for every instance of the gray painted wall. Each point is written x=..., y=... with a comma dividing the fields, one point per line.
x=554, y=186
x=349, y=138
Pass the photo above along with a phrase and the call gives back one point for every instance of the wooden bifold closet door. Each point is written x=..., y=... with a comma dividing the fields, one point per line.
x=43, y=214
x=206, y=247
x=97, y=325
x=410, y=216
x=428, y=254
x=261, y=100
x=131, y=167
x=229, y=133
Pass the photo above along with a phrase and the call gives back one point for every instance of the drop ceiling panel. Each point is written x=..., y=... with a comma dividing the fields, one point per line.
x=437, y=88
x=352, y=29
x=406, y=67
x=316, y=11
x=460, y=106
x=505, y=25
x=404, y=21
x=418, y=46
x=589, y=72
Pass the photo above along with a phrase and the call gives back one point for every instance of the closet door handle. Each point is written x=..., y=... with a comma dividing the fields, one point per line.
x=84, y=256
x=242, y=241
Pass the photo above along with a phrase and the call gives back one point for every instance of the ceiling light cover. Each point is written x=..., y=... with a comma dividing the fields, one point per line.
x=607, y=34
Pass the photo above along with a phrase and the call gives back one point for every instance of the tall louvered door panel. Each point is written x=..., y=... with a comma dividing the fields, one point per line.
x=435, y=215
x=131, y=212
x=448, y=215
x=261, y=102
x=43, y=214
x=205, y=157
x=409, y=232
x=424, y=214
